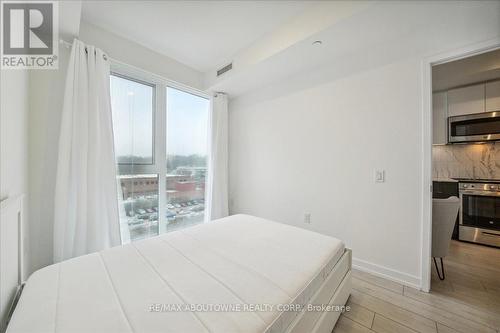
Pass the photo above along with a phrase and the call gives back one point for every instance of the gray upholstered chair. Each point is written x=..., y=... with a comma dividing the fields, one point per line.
x=444, y=215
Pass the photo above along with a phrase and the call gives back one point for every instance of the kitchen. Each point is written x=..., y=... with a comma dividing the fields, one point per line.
x=466, y=180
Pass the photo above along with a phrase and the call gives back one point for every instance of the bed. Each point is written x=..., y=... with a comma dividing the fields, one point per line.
x=236, y=274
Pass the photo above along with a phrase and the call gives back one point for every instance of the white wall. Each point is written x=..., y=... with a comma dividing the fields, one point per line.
x=46, y=99
x=311, y=143
x=30, y=103
x=131, y=53
x=14, y=139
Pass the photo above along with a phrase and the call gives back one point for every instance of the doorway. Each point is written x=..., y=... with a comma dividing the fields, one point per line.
x=469, y=267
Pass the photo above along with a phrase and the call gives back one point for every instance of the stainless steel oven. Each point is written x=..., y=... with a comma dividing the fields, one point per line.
x=474, y=127
x=479, y=219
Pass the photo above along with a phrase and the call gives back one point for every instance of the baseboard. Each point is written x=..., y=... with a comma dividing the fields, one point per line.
x=387, y=273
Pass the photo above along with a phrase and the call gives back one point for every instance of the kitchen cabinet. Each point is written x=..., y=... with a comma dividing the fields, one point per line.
x=492, y=96
x=439, y=118
x=466, y=100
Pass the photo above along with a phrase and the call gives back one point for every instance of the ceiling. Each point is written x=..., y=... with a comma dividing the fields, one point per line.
x=478, y=68
x=200, y=34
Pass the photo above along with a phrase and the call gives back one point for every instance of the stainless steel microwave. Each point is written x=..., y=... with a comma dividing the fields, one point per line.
x=477, y=127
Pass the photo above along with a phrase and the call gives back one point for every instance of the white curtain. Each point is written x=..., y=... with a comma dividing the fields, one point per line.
x=86, y=207
x=218, y=163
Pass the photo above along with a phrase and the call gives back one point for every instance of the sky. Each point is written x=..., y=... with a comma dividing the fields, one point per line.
x=187, y=123
x=187, y=120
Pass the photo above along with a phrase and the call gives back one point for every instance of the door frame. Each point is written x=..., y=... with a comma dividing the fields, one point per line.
x=427, y=63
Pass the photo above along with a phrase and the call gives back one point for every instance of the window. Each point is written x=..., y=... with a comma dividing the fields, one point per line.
x=132, y=105
x=187, y=137
x=159, y=130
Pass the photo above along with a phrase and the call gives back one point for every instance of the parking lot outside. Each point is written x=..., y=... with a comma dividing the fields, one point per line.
x=185, y=192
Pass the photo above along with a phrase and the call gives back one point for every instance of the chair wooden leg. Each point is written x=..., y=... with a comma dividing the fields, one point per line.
x=440, y=275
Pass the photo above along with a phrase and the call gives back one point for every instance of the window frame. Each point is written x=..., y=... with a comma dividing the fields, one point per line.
x=159, y=165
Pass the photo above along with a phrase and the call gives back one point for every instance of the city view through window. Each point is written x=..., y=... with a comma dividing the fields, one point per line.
x=181, y=171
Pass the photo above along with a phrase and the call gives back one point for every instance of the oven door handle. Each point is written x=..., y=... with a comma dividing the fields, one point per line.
x=481, y=193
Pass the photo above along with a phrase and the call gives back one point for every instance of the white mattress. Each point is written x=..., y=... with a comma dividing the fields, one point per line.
x=236, y=260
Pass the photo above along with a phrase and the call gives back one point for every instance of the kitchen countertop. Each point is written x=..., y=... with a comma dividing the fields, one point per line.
x=447, y=180
x=465, y=180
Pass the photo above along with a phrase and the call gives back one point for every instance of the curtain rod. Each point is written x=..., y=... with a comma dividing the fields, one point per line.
x=68, y=45
x=169, y=82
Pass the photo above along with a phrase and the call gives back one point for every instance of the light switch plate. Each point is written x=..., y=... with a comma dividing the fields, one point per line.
x=379, y=176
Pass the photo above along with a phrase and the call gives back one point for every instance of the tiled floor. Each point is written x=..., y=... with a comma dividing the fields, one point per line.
x=468, y=301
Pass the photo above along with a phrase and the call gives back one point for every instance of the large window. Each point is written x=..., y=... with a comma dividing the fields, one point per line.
x=161, y=147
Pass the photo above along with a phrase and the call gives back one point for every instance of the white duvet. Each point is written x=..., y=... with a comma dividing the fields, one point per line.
x=147, y=285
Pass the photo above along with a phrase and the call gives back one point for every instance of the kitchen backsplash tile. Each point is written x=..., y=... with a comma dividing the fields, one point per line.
x=466, y=161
